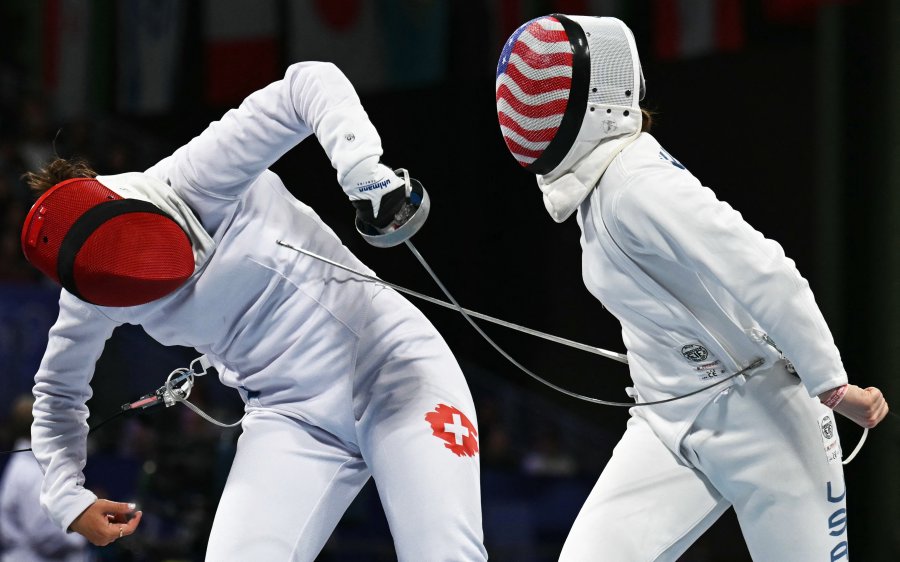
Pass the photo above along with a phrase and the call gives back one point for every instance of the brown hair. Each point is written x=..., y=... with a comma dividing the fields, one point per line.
x=646, y=120
x=59, y=169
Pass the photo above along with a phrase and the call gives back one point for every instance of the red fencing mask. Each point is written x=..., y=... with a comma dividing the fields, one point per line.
x=105, y=249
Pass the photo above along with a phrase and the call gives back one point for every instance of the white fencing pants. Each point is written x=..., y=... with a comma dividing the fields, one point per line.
x=758, y=447
x=411, y=426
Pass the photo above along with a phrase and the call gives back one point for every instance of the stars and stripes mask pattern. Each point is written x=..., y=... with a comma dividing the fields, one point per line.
x=568, y=91
x=533, y=90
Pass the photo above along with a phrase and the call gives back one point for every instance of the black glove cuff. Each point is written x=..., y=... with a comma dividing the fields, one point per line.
x=391, y=203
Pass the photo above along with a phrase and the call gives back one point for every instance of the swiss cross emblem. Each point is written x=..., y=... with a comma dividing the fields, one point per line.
x=452, y=426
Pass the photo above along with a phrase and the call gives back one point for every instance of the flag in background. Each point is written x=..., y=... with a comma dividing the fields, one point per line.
x=149, y=53
x=242, y=48
x=510, y=14
x=415, y=35
x=689, y=28
x=65, y=49
x=344, y=32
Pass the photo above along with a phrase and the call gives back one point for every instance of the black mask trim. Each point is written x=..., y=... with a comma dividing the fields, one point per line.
x=576, y=106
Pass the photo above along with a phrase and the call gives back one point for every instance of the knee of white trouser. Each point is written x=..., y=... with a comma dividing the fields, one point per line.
x=608, y=541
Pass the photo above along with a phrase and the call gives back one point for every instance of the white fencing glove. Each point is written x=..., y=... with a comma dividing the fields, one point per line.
x=376, y=193
x=390, y=208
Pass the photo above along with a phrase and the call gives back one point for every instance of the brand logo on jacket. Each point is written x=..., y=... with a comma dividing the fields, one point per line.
x=702, y=362
x=830, y=439
x=827, y=427
x=695, y=352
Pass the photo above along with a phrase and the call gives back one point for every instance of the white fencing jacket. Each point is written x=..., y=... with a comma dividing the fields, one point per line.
x=697, y=290
x=273, y=321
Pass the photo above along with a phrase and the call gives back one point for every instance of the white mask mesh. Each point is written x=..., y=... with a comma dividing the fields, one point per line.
x=612, y=67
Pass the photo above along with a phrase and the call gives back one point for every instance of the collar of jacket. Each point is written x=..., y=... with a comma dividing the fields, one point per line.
x=564, y=191
x=138, y=185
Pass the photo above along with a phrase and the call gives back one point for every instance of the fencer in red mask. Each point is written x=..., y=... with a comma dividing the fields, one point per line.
x=343, y=379
x=104, y=248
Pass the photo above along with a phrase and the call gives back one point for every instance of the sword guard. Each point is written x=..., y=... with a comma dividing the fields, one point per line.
x=407, y=221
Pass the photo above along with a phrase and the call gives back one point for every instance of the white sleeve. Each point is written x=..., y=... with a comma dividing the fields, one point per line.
x=673, y=216
x=312, y=98
x=61, y=389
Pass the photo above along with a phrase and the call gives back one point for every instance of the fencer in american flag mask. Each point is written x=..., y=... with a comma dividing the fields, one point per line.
x=568, y=91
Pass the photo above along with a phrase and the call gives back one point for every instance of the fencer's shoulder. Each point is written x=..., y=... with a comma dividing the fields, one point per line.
x=645, y=154
x=647, y=164
x=646, y=176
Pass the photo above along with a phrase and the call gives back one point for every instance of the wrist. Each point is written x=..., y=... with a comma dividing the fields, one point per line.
x=833, y=397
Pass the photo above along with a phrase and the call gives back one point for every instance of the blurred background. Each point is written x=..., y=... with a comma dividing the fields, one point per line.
x=788, y=109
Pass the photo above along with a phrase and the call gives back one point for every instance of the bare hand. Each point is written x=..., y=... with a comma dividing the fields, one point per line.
x=104, y=521
x=866, y=407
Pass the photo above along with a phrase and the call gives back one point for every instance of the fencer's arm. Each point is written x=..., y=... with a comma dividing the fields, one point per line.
x=312, y=98
x=61, y=390
x=864, y=406
x=689, y=225
x=678, y=219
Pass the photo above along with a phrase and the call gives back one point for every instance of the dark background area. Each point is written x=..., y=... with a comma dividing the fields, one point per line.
x=791, y=115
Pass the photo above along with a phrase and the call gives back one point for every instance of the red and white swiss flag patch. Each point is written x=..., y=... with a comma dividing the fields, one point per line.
x=453, y=427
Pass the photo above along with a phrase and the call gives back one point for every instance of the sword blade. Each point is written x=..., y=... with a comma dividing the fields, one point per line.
x=620, y=357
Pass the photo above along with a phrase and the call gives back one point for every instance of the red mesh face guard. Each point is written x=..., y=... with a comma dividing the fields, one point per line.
x=104, y=249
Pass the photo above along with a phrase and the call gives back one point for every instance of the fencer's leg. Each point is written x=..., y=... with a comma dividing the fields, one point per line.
x=288, y=487
x=774, y=452
x=418, y=433
x=646, y=506
x=430, y=494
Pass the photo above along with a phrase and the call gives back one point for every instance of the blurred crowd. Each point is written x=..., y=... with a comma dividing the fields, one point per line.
x=24, y=142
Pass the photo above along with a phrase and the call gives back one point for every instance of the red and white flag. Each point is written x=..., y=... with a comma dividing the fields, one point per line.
x=241, y=48
x=149, y=54
x=344, y=32
x=689, y=28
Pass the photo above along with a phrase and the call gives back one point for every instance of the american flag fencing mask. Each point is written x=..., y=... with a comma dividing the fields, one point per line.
x=555, y=73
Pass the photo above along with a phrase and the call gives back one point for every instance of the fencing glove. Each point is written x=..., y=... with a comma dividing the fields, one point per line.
x=390, y=206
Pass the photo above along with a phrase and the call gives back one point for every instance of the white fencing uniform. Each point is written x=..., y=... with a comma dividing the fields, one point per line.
x=699, y=293
x=343, y=379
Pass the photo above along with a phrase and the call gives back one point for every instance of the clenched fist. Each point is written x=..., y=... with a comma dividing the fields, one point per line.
x=865, y=406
